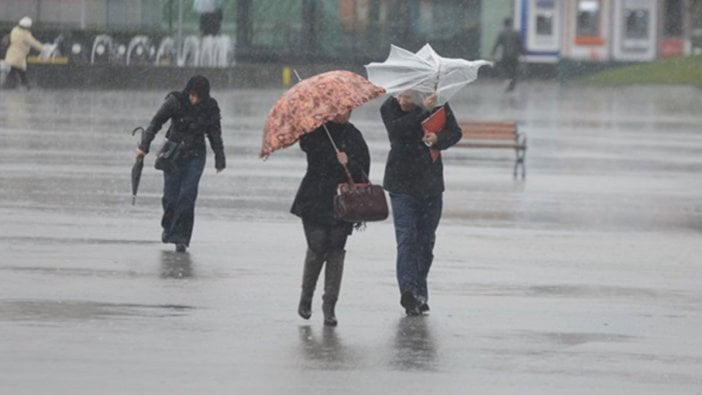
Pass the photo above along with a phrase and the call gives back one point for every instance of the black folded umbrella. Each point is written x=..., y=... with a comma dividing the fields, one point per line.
x=136, y=170
x=136, y=176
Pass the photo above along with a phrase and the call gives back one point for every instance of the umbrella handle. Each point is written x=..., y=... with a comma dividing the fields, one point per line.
x=136, y=129
x=336, y=149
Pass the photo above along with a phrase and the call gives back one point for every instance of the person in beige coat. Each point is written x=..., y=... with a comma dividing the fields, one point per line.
x=21, y=42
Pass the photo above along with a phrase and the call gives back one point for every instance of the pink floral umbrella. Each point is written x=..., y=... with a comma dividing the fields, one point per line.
x=311, y=103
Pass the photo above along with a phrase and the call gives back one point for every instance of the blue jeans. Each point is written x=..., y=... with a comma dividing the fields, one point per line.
x=179, y=195
x=415, y=222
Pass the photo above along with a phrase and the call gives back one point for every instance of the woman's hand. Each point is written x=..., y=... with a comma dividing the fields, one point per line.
x=430, y=101
x=342, y=158
x=430, y=139
x=140, y=153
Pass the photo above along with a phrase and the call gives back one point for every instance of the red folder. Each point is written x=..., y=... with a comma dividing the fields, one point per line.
x=435, y=124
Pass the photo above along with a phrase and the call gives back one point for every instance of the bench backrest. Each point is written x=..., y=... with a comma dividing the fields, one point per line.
x=500, y=130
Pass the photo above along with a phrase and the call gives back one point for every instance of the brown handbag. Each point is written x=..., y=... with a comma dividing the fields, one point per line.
x=360, y=203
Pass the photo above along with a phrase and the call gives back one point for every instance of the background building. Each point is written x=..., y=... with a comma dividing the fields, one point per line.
x=608, y=30
x=272, y=30
x=354, y=32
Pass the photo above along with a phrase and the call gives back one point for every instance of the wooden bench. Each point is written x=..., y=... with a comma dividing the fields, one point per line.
x=499, y=134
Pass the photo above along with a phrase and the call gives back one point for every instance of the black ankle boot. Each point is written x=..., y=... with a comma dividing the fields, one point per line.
x=409, y=302
x=305, y=308
x=329, y=315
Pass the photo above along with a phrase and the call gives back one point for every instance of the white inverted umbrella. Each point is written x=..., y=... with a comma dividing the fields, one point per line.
x=424, y=71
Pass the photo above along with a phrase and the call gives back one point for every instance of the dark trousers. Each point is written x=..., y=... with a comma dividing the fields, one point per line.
x=16, y=77
x=510, y=67
x=179, y=195
x=415, y=223
x=322, y=238
x=325, y=244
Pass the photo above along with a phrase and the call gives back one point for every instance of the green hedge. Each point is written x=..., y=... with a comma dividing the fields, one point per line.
x=686, y=70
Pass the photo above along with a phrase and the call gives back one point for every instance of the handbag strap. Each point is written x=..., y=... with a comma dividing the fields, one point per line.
x=366, y=176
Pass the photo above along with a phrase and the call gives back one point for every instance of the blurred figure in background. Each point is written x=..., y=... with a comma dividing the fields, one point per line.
x=210, y=16
x=510, y=42
x=21, y=43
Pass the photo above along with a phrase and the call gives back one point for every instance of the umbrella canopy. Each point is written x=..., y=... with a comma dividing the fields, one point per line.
x=311, y=103
x=424, y=71
x=136, y=170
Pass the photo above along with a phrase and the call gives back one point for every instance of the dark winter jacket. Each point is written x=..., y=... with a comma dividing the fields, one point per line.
x=189, y=124
x=511, y=43
x=314, y=200
x=409, y=168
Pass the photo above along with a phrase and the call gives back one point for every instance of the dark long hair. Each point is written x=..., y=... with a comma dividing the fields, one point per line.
x=198, y=85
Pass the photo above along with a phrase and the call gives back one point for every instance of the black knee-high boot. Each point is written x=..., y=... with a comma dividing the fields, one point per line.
x=332, y=284
x=310, y=274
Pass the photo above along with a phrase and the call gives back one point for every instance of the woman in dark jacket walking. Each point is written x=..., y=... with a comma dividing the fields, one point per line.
x=326, y=236
x=415, y=181
x=194, y=115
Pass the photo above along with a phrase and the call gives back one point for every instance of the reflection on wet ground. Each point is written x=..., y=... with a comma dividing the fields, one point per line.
x=586, y=275
x=72, y=310
x=176, y=265
x=322, y=349
x=415, y=347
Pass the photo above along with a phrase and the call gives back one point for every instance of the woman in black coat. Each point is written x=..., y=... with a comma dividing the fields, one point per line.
x=326, y=236
x=194, y=114
x=415, y=182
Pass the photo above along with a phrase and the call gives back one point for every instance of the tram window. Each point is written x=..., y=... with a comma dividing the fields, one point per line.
x=544, y=25
x=636, y=26
x=588, y=23
x=544, y=17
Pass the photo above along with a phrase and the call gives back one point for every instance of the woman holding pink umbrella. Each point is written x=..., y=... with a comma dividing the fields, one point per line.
x=316, y=113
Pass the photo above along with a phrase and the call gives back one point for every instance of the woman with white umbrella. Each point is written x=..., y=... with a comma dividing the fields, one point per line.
x=414, y=170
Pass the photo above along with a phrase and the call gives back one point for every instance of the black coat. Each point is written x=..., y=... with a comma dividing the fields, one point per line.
x=511, y=43
x=314, y=199
x=409, y=168
x=189, y=124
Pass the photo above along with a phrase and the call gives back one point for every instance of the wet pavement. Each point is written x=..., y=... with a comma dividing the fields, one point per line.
x=585, y=278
